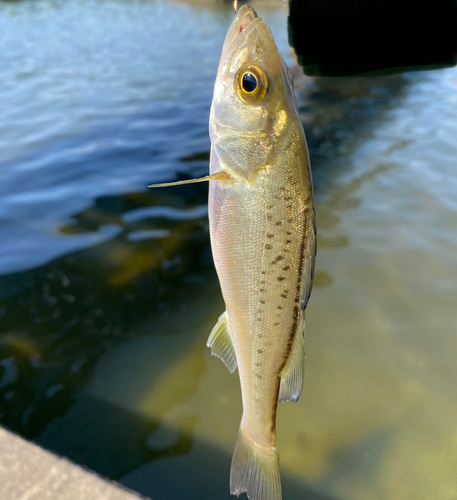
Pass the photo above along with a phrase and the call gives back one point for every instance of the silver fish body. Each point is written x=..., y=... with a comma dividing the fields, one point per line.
x=263, y=238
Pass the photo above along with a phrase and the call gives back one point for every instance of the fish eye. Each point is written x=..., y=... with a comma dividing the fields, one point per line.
x=251, y=84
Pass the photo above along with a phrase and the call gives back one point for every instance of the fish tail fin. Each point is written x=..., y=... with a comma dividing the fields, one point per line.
x=255, y=470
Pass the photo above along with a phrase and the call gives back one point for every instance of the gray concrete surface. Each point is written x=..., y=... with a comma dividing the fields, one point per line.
x=27, y=472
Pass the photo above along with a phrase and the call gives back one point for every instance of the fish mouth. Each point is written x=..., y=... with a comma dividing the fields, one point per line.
x=246, y=16
x=243, y=20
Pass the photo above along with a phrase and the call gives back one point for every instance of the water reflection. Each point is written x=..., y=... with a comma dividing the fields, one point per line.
x=94, y=421
x=103, y=320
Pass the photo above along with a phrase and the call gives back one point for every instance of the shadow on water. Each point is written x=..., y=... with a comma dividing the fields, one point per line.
x=95, y=421
x=339, y=114
x=195, y=482
x=58, y=319
x=133, y=459
x=91, y=442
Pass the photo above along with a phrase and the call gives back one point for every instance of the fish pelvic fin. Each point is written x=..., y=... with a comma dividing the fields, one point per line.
x=293, y=373
x=255, y=470
x=221, y=343
x=217, y=176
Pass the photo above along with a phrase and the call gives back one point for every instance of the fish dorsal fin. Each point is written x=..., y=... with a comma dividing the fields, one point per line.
x=221, y=343
x=293, y=374
x=309, y=260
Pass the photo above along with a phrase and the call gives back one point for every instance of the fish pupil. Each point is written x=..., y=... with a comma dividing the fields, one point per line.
x=249, y=82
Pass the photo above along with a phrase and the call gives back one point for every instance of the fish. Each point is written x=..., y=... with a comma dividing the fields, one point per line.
x=263, y=239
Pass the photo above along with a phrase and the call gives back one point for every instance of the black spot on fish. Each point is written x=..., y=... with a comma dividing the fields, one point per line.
x=268, y=247
x=259, y=351
x=279, y=223
x=269, y=235
x=284, y=295
x=262, y=302
x=288, y=241
x=276, y=324
x=286, y=268
x=288, y=233
x=279, y=307
x=281, y=278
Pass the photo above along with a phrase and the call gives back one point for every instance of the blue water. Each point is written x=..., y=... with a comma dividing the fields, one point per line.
x=108, y=289
x=98, y=98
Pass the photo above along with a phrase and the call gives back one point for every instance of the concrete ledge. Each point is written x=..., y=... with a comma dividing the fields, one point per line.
x=27, y=472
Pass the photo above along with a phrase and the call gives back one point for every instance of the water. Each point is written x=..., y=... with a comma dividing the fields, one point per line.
x=108, y=290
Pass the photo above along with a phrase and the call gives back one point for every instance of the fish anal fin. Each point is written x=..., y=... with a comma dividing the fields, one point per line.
x=255, y=470
x=221, y=343
x=293, y=373
x=221, y=175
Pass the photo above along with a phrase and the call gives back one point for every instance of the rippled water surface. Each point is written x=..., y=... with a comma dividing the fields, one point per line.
x=108, y=291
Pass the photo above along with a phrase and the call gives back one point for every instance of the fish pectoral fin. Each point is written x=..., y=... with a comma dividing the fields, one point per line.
x=221, y=343
x=293, y=374
x=218, y=176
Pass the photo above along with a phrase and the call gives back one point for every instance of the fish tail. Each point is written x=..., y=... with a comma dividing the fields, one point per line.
x=255, y=470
